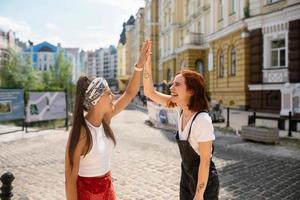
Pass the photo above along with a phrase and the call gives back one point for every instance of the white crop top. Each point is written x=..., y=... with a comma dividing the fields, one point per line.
x=97, y=161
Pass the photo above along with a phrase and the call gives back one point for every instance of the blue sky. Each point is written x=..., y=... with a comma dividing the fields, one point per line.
x=87, y=24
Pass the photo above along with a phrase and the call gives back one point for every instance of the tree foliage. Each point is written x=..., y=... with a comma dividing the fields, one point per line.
x=18, y=72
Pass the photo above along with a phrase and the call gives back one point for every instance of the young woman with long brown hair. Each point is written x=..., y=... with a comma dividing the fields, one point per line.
x=91, y=140
x=195, y=135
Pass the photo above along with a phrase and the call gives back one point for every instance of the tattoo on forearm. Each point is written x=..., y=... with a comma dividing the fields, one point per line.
x=200, y=186
x=147, y=75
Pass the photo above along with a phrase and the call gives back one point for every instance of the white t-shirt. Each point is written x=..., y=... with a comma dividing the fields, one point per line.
x=202, y=130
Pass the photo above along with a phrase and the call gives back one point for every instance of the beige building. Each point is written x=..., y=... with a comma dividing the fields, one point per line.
x=122, y=77
x=184, y=26
x=151, y=31
x=192, y=48
x=137, y=37
x=167, y=38
x=134, y=39
x=130, y=43
x=9, y=41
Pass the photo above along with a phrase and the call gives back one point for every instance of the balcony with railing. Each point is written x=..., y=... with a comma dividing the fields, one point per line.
x=193, y=39
x=275, y=75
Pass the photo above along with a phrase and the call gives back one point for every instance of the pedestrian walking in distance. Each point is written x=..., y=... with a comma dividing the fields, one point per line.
x=91, y=140
x=195, y=135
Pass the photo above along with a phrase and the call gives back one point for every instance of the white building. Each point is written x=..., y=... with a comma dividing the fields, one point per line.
x=73, y=54
x=8, y=41
x=103, y=63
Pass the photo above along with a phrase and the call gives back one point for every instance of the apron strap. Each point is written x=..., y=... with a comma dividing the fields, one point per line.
x=181, y=111
x=192, y=124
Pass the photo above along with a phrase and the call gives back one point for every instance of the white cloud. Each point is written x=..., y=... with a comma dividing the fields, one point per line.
x=92, y=37
x=17, y=26
x=51, y=26
x=24, y=32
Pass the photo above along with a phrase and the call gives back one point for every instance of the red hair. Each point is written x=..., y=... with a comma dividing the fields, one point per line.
x=195, y=82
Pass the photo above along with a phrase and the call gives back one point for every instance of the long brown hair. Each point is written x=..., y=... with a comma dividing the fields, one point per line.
x=194, y=81
x=79, y=121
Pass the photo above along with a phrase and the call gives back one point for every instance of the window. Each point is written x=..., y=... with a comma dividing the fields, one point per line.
x=232, y=7
x=221, y=65
x=278, y=53
x=272, y=1
x=233, y=62
x=200, y=67
x=187, y=8
x=220, y=10
x=45, y=57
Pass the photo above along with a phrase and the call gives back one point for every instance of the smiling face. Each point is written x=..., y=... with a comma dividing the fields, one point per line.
x=179, y=92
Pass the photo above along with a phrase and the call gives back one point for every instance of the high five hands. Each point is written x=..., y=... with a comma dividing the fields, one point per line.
x=145, y=53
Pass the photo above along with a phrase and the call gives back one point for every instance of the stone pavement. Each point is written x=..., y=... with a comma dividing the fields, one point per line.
x=146, y=164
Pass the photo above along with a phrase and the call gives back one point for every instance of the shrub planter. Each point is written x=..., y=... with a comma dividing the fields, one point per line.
x=260, y=134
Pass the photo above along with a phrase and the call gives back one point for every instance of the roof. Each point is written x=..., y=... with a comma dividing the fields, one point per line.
x=42, y=47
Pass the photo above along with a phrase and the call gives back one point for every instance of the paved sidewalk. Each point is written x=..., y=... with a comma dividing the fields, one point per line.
x=146, y=165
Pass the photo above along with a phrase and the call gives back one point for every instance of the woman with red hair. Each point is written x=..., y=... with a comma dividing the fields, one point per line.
x=195, y=135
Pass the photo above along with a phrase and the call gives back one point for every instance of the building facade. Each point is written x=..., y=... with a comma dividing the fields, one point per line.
x=151, y=32
x=103, y=63
x=9, y=41
x=229, y=50
x=90, y=69
x=73, y=55
x=274, y=28
x=42, y=55
x=122, y=77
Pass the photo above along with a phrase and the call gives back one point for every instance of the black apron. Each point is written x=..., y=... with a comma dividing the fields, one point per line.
x=189, y=171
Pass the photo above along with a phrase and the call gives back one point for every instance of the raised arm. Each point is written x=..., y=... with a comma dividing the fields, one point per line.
x=134, y=83
x=149, y=90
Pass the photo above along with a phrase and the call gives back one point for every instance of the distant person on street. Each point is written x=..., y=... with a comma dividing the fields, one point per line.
x=91, y=140
x=195, y=135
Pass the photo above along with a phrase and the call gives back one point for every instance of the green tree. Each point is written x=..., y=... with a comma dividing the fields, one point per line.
x=19, y=73
x=62, y=72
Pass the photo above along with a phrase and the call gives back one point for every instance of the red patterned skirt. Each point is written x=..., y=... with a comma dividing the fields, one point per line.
x=95, y=188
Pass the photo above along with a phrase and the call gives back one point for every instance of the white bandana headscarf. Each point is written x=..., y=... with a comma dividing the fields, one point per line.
x=94, y=92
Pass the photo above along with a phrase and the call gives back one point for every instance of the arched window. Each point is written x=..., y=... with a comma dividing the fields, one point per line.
x=221, y=65
x=233, y=62
x=200, y=67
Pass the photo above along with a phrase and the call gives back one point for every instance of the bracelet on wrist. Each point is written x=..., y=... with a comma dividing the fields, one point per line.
x=136, y=68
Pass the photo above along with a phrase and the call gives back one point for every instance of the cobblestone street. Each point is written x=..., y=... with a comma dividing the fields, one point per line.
x=146, y=165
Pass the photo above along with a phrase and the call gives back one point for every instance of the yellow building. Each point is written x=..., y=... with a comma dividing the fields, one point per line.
x=137, y=37
x=129, y=51
x=121, y=48
x=151, y=31
x=192, y=48
x=229, y=45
